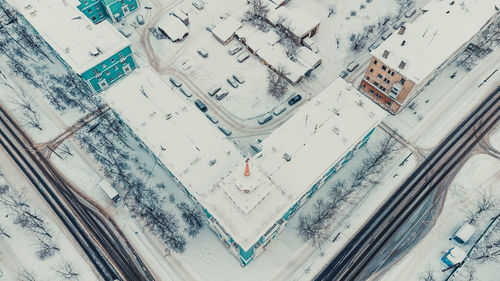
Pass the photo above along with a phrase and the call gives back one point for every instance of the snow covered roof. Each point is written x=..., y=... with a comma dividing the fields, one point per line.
x=259, y=39
x=227, y=28
x=456, y=255
x=183, y=139
x=173, y=27
x=276, y=56
x=307, y=57
x=300, y=22
x=70, y=33
x=316, y=137
x=465, y=232
x=434, y=36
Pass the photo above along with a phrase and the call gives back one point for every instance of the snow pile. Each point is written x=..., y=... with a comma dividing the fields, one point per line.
x=79, y=42
x=434, y=36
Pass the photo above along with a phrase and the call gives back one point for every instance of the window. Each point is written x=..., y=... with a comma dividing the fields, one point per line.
x=89, y=10
x=85, y=2
x=379, y=76
x=111, y=79
x=388, y=103
x=364, y=85
x=116, y=67
x=132, y=6
x=371, y=92
x=124, y=63
x=112, y=60
x=375, y=83
x=383, y=67
x=402, y=80
x=389, y=70
x=107, y=72
x=392, y=73
x=93, y=18
x=375, y=62
x=367, y=78
x=371, y=70
x=122, y=2
x=95, y=71
x=103, y=65
x=121, y=55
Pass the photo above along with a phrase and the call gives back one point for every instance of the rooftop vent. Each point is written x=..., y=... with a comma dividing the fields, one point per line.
x=168, y=116
x=28, y=7
x=402, y=64
x=385, y=54
x=447, y=12
x=336, y=131
x=336, y=111
x=402, y=30
x=452, y=2
x=360, y=103
x=403, y=43
x=33, y=13
x=287, y=157
x=66, y=50
x=212, y=162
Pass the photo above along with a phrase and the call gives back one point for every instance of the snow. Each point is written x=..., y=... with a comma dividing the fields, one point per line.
x=333, y=119
x=298, y=21
x=434, y=36
x=18, y=252
x=226, y=29
x=495, y=138
x=173, y=27
x=479, y=174
x=70, y=33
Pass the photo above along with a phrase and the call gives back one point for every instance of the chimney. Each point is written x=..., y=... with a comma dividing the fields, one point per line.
x=403, y=43
x=402, y=64
x=402, y=30
x=385, y=54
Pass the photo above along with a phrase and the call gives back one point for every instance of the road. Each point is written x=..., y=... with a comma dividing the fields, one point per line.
x=92, y=228
x=432, y=173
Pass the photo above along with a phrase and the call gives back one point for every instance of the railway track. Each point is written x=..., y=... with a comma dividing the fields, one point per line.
x=374, y=235
x=97, y=235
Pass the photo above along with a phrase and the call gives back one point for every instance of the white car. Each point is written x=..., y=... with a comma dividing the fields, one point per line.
x=198, y=4
x=243, y=57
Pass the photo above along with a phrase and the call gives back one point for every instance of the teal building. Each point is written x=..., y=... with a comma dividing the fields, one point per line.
x=115, y=10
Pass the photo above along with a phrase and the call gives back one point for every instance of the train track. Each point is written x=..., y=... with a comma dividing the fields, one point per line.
x=374, y=235
x=98, y=236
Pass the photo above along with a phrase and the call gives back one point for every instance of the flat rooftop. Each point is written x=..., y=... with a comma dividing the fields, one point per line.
x=70, y=33
x=434, y=36
x=317, y=136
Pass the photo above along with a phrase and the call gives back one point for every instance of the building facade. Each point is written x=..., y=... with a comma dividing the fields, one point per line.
x=115, y=10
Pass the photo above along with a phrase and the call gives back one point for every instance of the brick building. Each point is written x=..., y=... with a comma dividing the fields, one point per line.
x=408, y=60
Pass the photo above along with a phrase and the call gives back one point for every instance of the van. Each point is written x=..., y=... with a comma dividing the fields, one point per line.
x=266, y=118
x=201, y=105
x=352, y=66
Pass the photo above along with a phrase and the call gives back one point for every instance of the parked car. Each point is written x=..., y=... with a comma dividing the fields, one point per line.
x=203, y=53
x=343, y=74
x=410, y=13
x=352, y=66
x=185, y=92
x=175, y=82
x=239, y=78
x=225, y=130
x=294, y=100
x=140, y=19
x=198, y=4
x=256, y=146
x=243, y=56
x=386, y=34
x=234, y=50
x=212, y=118
x=201, y=105
x=213, y=90
x=210, y=27
x=231, y=81
x=278, y=110
x=127, y=35
x=221, y=94
x=398, y=25
x=373, y=46
x=266, y=118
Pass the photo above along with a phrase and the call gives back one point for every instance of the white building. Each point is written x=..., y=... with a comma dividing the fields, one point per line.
x=246, y=211
x=173, y=28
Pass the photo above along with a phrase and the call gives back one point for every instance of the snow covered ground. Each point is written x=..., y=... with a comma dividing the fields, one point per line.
x=18, y=253
x=480, y=174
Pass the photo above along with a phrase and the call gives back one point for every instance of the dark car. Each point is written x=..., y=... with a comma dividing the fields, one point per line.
x=294, y=100
x=201, y=105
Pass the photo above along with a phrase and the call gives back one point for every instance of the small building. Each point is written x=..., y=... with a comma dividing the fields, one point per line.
x=275, y=58
x=454, y=256
x=464, y=233
x=109, y=190
x=298, y=22
x=173, y=28
x=98, y=10
x=409, y=59
x=97, y=52
x=224, y=31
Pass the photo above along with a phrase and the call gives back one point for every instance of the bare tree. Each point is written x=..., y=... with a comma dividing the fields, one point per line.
x=427, y=276
x=25, y=275
x=67, y=271
x=3, y=233
x=192, y=217
x=276, y=83
x=486, y=202
x=256, y=14
x=332, y=9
